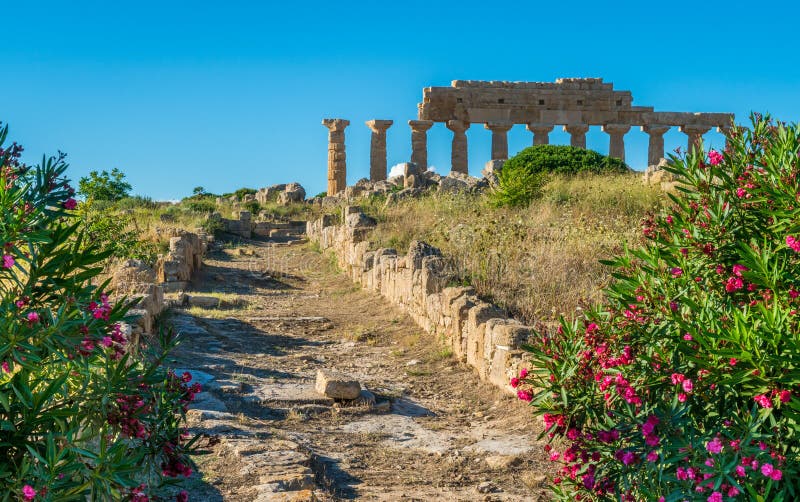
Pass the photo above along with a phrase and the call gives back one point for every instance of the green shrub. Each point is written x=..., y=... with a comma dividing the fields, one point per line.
x=137, y=202
x=253, y=206
x=685, y=385
x=201, y=204
x=104, y=185
x=115, y=230
x=240, y=193
x=82, y=417
x=523, y=176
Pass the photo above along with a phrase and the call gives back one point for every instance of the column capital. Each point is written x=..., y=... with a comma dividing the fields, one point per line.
x=539, y=128
x=576, y=128
x=616, y=128
x=379, y=125
x=457, y=125
x=655, y=129
x=335, y=124
x=498, y=126
x=694, y=129
x=420, y=125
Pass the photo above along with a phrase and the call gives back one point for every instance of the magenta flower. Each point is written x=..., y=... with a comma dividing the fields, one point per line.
x=714, y=446
x=785, y=396
x=738, y=269
x=715, y=497
x=766, y=470
x=734, y=284
x=763, y=401
x=793, y=243
x=687, y=386
x=8, y=261
x=714, y=157
x=70, y=204
x=514, y=382
x=28, y=493
x=33, y=317
x=6, y=369
x=652, y=456
x=676, y=271
x=525, y=395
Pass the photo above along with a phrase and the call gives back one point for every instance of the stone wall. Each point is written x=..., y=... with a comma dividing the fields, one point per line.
x=479, y=334
x=245, y=226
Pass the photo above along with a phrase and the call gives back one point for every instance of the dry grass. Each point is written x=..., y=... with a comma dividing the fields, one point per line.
x=538, y=262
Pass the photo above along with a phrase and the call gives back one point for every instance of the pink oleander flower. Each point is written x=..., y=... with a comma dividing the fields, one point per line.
x=776, y=475
x=652, y=456
x=628, y=458
x=714, y=446
x=514, y=382
x=785, y=396
x=740, y=471
x=183, y=496
x=763, y=401
x=687, y=386
x=714, y=157
x=688, y=337
x=33, y=317
x=732, y=361
x=70, y=204
x=8, y=261
x=681, y=397
x=28, y=493
x=738, y=269
x=6, y=368
x=107, y=342
x=715, y=497
x=734, y=284
x=676, y=271
x=766, y=469
x=793, y=243
x=741, y=192
x=523, y=372
x=525, y=395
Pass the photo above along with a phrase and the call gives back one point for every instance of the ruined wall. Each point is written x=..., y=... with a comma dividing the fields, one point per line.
x=479, y=334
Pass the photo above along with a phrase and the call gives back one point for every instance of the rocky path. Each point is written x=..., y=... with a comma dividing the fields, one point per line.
x=435, y=432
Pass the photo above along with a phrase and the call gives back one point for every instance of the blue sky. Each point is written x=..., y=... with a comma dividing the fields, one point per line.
x=225, y=95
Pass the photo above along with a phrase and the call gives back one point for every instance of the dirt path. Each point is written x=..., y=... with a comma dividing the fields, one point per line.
x=436, y=433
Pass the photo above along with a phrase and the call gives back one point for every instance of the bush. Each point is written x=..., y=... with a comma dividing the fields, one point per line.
x=684, y=386
x=522, y=177
x=240, y=193
x=81, y=416
x=104, y=185
x=115, y=231
x=201, y=204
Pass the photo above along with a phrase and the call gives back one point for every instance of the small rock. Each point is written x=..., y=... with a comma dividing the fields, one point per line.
x=498, y=462
x=486, y=487
x=412, y=362
x=336, y=385
x=366, y=398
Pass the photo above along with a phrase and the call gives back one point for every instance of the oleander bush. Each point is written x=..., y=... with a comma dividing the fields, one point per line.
x=83, y=416
x=684, y=384
x=523, y=175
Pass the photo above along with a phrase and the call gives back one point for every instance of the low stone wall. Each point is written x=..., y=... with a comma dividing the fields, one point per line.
x=245, y=226
x=144, y=287
x=479, y=334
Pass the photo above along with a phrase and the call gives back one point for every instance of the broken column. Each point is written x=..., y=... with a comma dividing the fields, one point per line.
x=616, y=145
x=458, y=156
x=419, y=142
x=541, y=133
x=577, y=133
x=377, y=149
x=499, y=139
x=655, y=148
x=337, y=159
x=695, y=133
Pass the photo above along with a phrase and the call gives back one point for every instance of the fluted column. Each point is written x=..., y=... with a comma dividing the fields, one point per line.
x=695, y=133
x=419, y=142
x=499, y=139
x=541, y=133
x=577, y=134
x=616, y=139
x=377, y=149
x=458, y=156
x=337, y=158
x=655, y=147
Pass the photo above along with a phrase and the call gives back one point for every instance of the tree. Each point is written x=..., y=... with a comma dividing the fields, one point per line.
x=104, y=185
x=198, y=191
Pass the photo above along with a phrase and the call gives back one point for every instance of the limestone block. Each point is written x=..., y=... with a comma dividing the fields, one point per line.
x=474, y=332
x=459, y=309
x=434, y=275
x=336, y=385
x=418, y=251
x=205, y=302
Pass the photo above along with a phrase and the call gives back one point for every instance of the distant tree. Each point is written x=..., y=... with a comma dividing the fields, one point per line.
x=199, y=191
x=104, y=185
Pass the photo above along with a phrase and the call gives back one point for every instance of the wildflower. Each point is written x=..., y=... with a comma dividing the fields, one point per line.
x=8, y=261
x=28, y=493
x=793, y=243
x=714, y=157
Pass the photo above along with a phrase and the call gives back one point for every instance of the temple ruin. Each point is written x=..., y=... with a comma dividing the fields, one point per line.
x=576, y=104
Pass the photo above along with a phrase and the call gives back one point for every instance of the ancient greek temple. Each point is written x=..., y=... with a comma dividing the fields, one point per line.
x=576, y=104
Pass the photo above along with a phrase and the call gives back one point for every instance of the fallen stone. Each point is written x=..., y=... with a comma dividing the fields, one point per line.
x=499, y=462
x=366, y=398
x=336, y=385
x=487, y=487
x=205, y=302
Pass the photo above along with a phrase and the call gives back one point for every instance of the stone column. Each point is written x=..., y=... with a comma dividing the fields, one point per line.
x=695, y=133
x=419, y=142
x=577, y=134
x=377, y=149
x=337, y=159
x=499, y=139
x=616, y=140
x=655, y=148
x=541, y=133
x=725, y=131
x=458, y=157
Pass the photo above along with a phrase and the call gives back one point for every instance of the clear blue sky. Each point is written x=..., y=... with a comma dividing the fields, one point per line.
x=231, y=94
